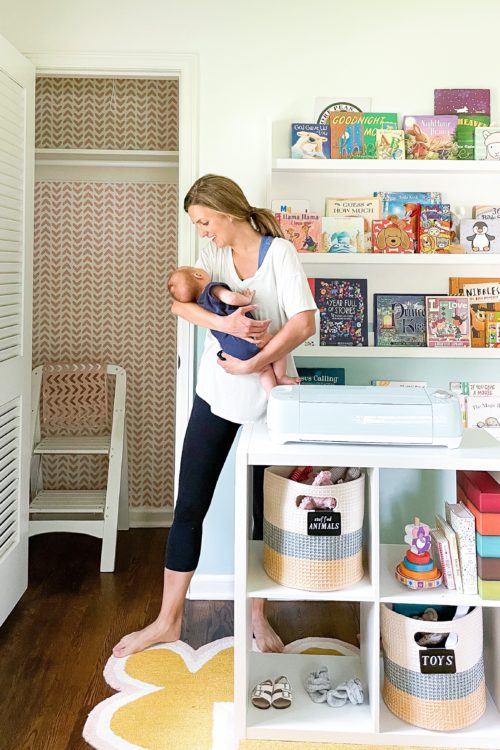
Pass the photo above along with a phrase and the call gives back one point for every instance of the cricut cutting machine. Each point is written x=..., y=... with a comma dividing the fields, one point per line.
x=364, y=414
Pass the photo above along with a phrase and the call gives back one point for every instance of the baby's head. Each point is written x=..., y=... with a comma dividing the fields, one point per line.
x=186, y=283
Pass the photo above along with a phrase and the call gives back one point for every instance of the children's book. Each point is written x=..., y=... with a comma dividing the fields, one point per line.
x=342, y=234
x=442, y=555
x=480, y=235
x=407, y=205
x=310, y=141
x=401, y=383
x=492, y=332
x=463, y=524
x=392, y=235
x=346, y=134
x=323, y=105
x=484, y=296
x=430, y=136
x=487, y=143
x=482, y=411
x=447, y=321
x=465, y=134
x=368, y=208
x=399, y=319
x=451, y=537
x=461, y=101
x=321, y=375
x=303, y=231
x=389, y=144
x=371, y=122
x=475, y=389
x=290, y=206
x=342, y=305
x=486, y=212
x=434, y=228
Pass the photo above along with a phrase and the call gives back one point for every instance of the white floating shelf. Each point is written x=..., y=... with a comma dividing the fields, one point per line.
x=396, y=352
x=389, y=165
x=403, y=259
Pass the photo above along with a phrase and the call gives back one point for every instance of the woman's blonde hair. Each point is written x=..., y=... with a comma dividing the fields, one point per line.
x=225, y=196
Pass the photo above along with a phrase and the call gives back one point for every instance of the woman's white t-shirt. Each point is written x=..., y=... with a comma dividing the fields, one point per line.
x=281, y=291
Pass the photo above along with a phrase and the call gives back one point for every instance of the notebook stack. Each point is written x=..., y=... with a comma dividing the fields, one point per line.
x=481, y=494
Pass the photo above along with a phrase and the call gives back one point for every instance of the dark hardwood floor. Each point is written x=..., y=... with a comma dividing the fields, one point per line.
x=54, y=646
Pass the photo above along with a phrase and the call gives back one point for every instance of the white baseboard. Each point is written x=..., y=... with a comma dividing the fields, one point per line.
x=150, y=517
x=211, y=587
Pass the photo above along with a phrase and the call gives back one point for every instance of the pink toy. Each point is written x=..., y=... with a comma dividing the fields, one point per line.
x=322, y=479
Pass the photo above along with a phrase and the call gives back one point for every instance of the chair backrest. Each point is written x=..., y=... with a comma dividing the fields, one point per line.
x=74, y=397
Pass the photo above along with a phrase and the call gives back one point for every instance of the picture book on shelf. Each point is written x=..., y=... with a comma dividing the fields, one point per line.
x=399, y=319
x=492, y=332
x=323, y=105
x=434, y=228
x=480, y=235
x=346, y=133
x=342, y=234
x=463, y=524
x=342, y=305
x=442, y=555
x=407, y=205
x=370, y=123
x=321, y=375
x=487, y=143
x=451, y=538
x=464, y=135
x=447, y=319
x=484, y=296
x=389, y=144
x=401, y=383
x=430, y=136
x=392, y=235
x=482, y=411
x=290, y=206
x=310, y=141
x=461, y=101
x=302, y=230
x=369, y=208
x=486, y=212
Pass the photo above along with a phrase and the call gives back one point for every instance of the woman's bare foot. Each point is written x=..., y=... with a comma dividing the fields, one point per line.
x=157, y=632
x=288, y=380
x=267, y=639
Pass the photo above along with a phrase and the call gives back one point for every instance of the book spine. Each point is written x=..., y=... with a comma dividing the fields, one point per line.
x=455, y=562
x=441, y=552
x=464, y=529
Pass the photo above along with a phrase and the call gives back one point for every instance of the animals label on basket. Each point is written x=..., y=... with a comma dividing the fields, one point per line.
x=437, y=661
x=323, y=523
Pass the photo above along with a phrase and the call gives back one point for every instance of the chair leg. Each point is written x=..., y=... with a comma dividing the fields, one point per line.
x=123, y=507
x=110, y=525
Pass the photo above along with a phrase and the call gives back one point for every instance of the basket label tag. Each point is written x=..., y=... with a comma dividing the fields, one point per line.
x=323, y=523
x=437, y=661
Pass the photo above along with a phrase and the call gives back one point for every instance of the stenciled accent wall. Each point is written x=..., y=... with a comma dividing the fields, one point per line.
x=102, y=253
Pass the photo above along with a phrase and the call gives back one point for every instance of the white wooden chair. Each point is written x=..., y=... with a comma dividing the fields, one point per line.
x=70, y=416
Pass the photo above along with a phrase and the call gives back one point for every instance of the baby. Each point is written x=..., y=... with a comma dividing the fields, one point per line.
x=190, y=284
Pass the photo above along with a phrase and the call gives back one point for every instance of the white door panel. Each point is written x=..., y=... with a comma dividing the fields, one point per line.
x=17, y=87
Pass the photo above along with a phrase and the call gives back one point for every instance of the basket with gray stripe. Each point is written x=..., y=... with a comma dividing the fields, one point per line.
x=300, y=549
x=435, y=699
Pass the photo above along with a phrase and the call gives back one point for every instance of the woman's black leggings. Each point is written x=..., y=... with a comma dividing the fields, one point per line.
x=207, y=443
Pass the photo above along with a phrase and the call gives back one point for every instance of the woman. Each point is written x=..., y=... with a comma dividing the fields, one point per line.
x=246, y=250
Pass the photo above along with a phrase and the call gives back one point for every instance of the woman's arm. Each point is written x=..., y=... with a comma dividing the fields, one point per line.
x=294, y=332
x=236, y=324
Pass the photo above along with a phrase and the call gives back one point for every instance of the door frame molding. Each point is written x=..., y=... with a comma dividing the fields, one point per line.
x=184, y=67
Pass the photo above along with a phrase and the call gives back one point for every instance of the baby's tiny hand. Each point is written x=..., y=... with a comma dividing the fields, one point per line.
x=249, y=293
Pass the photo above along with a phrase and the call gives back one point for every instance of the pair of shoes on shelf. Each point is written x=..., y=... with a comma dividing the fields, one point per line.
x=277, y=694
x=319, y=688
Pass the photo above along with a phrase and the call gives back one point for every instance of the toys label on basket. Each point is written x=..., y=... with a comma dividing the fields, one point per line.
x=323, y=523
x=437, y=661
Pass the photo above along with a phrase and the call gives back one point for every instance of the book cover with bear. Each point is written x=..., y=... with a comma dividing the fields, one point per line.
x=310, y=141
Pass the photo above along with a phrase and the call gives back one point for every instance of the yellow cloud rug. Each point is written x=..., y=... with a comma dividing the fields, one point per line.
x=172, y=697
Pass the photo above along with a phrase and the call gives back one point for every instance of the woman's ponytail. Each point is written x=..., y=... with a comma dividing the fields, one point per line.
x=264, y=222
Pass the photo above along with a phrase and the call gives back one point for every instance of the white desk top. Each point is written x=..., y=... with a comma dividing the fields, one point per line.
x=479, y=451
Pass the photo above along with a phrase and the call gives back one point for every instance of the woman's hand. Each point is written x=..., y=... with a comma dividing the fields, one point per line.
x=235, y=366
x=240, y=325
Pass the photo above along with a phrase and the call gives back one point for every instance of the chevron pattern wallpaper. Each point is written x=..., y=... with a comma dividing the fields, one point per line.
x=107, y=113
x=102, y=254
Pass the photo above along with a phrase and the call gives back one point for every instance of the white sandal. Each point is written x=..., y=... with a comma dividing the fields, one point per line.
x=262, y=694
x=282, y=693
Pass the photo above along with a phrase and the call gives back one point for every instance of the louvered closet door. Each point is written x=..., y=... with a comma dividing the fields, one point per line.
x=17, y=80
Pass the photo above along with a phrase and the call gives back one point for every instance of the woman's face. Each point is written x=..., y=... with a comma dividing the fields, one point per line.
x=212, y=224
